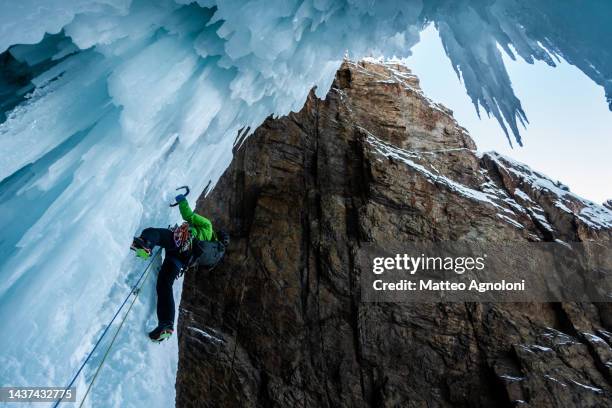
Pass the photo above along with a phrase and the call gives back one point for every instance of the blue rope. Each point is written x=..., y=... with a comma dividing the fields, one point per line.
x=133, y=291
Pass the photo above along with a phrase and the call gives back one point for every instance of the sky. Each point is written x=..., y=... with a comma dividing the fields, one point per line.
x=569, y=137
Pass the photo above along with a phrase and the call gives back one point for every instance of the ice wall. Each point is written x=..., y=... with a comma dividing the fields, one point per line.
x=108, y=105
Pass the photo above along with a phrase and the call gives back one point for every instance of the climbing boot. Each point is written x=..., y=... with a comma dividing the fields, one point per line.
x=161, y=333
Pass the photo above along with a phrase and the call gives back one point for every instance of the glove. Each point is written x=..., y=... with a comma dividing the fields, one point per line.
x=179, y=198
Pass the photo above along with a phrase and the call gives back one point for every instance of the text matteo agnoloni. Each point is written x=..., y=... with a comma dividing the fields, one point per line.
x=459, y=265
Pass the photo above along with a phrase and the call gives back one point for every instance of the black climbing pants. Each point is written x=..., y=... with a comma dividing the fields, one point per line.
x=168, y=273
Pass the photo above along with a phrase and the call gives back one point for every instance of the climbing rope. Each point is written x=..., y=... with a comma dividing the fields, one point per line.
x=228, y=380
x=135, y=291
x=231, y=372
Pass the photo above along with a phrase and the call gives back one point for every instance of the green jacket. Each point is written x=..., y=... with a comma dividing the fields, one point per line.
x=201, y=228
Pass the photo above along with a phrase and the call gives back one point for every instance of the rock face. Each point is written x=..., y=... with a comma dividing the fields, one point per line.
x=281, y=323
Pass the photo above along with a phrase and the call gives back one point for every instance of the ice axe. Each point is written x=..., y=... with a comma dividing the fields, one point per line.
x=186, y=194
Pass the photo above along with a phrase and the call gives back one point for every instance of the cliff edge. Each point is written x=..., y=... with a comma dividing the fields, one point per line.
x=281, y=323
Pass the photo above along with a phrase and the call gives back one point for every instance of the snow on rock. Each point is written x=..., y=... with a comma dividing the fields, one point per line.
x=520, y=196
x=588, y=387
x=511, y=378
x=209, y=337
x=516, y=194
x=561, y=383
x=537, y=192
x=487, y=195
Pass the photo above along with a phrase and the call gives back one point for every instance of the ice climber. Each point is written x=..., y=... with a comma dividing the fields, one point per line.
x=192, y=242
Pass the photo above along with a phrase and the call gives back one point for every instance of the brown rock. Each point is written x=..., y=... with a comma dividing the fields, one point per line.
x=281, y=323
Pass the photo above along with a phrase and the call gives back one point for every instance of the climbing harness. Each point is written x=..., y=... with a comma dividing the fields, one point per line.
x=135, y=291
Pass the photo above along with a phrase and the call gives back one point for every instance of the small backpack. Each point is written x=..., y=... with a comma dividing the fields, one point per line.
x=208, y=254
